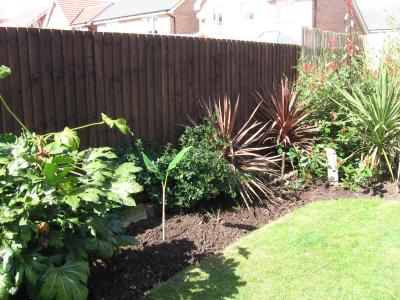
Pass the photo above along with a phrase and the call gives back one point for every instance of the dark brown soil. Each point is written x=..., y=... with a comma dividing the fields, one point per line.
x=191, y=237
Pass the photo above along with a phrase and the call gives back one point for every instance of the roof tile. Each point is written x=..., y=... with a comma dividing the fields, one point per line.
x=72, y=8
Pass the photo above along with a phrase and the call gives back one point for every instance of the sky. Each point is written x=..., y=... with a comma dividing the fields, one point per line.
x=10, y=8
x=374, y=3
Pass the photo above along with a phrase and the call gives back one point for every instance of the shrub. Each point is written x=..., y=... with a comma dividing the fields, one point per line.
x=57, y=208
x=310, y=162
x=242, y=145
x=203, y=175
x=317, y=85
x=378, y=115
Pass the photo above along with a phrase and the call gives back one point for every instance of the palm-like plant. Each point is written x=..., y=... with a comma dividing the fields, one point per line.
x=242, y=146
x=287, y=117
x=379, y=115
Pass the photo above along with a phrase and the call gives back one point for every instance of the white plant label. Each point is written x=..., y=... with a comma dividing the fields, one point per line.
x=333, y=175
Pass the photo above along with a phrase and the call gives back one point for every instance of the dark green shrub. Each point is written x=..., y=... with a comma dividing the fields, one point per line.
x=204, y=174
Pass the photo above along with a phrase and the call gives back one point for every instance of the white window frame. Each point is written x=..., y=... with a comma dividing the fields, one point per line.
x=248, y=11
x=284, y=10
x=152, y=23
x=217, y=16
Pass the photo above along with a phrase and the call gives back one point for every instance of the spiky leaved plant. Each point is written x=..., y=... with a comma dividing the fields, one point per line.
x=378, y=114
x=243, y=148
x=286, y=117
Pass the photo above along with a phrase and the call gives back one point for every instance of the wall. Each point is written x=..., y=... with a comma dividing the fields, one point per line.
x=185, y=18
x=330, y=16
x=137, y=25
x=56, y=19
x=375, y=45
x=289, y=20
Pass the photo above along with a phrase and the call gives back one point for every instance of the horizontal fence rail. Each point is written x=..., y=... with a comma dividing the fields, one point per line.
x=68, y=78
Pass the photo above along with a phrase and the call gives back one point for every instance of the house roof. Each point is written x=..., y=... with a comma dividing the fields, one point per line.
x=27, y=17
x=72, y=8
x=130, y=8
x=89, y=13
x=379, y=15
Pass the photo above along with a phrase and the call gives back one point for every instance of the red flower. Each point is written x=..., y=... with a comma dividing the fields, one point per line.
x=351, y=47
x=333, y=66
x=307, y=68
x=331, y=42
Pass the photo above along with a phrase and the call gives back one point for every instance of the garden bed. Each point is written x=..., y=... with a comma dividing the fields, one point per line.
x=191, y=237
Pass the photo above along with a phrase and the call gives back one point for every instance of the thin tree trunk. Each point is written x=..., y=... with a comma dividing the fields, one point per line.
x=163, y=213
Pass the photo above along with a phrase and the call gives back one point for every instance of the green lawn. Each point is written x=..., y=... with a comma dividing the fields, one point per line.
x=347, y=249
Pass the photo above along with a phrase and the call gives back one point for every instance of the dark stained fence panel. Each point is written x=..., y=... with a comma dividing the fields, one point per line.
x=68, y=78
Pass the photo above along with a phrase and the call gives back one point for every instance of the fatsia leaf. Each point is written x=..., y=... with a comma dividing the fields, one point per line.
x=5, y=285
x=94, y=153
x=127, y=169
x=120, y=123
x=50, y=172
x=121, y=191
x=73, y=201
x=67, y=282
x=68, y=138
x=172, y=165
x=4, y=72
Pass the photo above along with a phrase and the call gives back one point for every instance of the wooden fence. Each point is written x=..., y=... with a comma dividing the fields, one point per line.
x=316, y=41
x=67, y=78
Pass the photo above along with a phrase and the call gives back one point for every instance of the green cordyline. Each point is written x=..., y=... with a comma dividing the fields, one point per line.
x=379, y=116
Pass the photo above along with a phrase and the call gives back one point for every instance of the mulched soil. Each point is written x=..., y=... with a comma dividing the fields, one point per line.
x=191, y=237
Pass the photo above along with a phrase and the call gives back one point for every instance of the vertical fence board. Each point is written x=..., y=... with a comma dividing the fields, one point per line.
x=164, y=89
x=171, y=88
x=134, y=50
x=98, y=41
x=117, y=77
x=58, y=77
x=90, y=87
x=158, y=99
x=126, y=81
x=109, y=83
x=16, y=86
x=69, y=78
x=5, y=123
x=26, y=91
x=36, y=80
x=47, y=80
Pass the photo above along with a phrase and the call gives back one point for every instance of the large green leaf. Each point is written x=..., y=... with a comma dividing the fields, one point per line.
x=126, y=169
x=4, y=72
x=120, y=123
x=5, y=285
x=67, y=137
x=67, y=282
x=172, y=165
x=149, y=164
